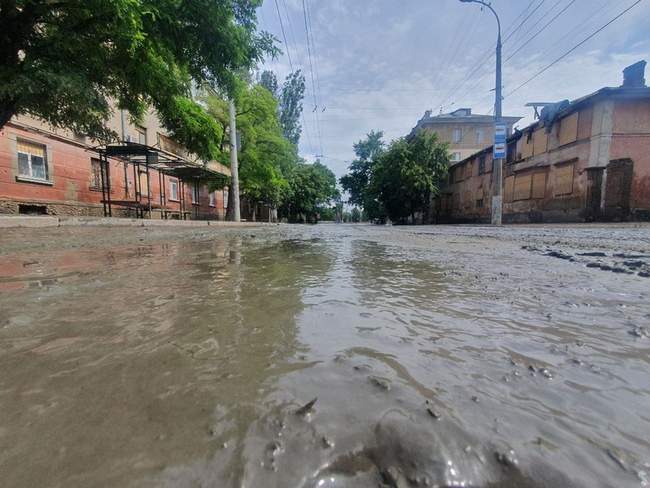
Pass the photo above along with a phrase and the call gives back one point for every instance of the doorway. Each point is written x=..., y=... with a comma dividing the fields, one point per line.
x=594, y=193
x=618, y=188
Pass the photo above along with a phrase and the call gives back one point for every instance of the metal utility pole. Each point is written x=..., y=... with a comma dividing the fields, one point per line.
x=234, y=165
x=499, y=129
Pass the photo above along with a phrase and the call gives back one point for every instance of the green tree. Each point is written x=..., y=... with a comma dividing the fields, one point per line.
x=265, y=155
x=269, y=81
x=357, y=181
x=409, y=174
x=293, y=92
x=311, y=188
x=66, y=62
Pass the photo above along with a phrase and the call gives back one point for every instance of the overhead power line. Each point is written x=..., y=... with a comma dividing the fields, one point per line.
x=534, y=36
x=590, y=36
x=524, y=21
x=286, y=44
x=284, y=35
x=311, y=71
x=489, y=54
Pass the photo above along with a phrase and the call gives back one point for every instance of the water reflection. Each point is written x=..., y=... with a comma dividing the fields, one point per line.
x=194, y=361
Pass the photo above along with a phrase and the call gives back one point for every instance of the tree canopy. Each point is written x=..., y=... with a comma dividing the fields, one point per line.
x=270, y=170
x=312, y=188
x=67, y=62
x=399, y=181
x=357, y=181
x=293, y=92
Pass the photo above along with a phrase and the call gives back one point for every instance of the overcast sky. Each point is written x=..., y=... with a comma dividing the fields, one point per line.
x=379, y=64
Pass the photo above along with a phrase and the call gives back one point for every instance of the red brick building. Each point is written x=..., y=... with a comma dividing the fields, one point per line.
x=584, y=160
x=51, y=171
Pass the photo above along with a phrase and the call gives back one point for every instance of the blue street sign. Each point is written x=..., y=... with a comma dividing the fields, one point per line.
x=500, y=151
x=500, y=134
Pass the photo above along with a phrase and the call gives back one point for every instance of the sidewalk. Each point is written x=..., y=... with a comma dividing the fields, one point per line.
x=7, y=222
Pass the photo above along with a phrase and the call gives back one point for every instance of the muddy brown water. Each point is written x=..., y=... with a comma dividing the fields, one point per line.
x=438, y=357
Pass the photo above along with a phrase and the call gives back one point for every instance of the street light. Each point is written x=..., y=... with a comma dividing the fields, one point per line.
x=497, y=199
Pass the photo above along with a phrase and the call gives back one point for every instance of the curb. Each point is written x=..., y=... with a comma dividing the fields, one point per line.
x=46, y=221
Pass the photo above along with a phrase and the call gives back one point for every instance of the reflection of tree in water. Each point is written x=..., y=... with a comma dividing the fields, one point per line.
x=383, y=274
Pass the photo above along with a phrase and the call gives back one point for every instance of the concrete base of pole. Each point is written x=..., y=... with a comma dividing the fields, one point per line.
x=496, y=209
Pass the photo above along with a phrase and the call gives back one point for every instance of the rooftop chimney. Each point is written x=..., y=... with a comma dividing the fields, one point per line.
x=634, y=75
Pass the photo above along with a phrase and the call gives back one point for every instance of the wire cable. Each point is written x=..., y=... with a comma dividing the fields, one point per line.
x=590, y=36
x=311, y=71
x=534, y=36
x=284, y=35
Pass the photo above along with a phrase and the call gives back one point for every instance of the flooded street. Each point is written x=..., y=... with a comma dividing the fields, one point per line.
x=436, y=356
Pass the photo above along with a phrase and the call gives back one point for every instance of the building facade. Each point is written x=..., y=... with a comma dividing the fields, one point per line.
x=586, y=160
x=44, y=170
x=465, y=133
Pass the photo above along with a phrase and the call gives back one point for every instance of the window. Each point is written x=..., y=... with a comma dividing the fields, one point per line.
x=225, y=198
x=455, y=156
x=32, y=162
x=195, y=193
x=564, y=179
x=142, y=135
x=479, y=136
x=568, y=129
x=539, y=185
x=144, y=184
x=481, y=164
x=173, y=190
x=213, y=199
x=95, y=173
x=479, y=203
x=522, y=186
x=457, y=135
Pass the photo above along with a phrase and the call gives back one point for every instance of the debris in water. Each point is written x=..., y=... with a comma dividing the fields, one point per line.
x=639, y=331
x=433, y=413
x=546, y=373
x=382, y=383
x=327, y=443
x=616, y=457
x=507, y=459
x=307, y=408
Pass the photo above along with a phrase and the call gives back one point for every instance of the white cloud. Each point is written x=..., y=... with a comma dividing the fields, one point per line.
x=382, y=63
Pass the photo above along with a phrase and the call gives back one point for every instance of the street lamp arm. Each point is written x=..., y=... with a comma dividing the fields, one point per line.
x=485, y=4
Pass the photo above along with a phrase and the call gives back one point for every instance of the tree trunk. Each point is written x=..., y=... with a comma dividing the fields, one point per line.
x=229, y=210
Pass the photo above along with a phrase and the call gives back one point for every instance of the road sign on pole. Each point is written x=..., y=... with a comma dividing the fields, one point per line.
x=500, y=133
x=500, y=151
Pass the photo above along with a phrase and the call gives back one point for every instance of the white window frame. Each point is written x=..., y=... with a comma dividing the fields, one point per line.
x=457, y=135
x=225, y=198
x=141, y=131
x=213, y=199
x=195, y=193
x=455, y=156
x=479, y=136
x=173, y=190
x=29, y=156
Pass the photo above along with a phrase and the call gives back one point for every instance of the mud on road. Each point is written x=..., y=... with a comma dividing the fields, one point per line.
x=325, y=356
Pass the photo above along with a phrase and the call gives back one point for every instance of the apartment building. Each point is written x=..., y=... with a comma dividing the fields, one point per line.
x=584, y=160
x=46, y=170
x=465, y=133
